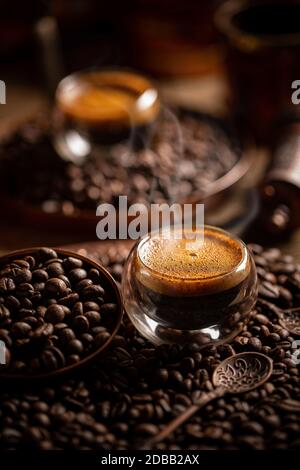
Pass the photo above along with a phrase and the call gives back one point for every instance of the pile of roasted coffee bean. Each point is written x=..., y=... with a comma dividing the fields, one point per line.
x=54, y=311
x=197, y=152
x=137, y=388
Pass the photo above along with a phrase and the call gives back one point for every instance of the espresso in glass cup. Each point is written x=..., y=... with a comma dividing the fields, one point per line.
x=98, y=108
x=178, y=291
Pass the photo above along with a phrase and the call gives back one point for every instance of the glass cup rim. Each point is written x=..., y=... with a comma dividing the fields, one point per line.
x=243, y=262
x=145, y=79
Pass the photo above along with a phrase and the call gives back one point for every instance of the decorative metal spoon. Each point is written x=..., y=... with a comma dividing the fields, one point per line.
x=290, y=320
x=236, y=374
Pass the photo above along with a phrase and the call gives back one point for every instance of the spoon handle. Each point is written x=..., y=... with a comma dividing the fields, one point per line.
x=185, y=415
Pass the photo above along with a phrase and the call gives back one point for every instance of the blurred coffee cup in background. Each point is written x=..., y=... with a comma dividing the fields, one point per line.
x=262, y=57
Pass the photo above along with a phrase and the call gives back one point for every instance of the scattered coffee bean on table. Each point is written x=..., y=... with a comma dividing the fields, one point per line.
x=136, y=388
x=54, y=311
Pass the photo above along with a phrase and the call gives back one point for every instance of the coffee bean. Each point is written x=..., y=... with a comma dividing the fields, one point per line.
x=187, y=364
x=147, y=429
x=6, y=285
x=55, y=314
x=4, y=314
x=116, y=271
x=49, y=360
x=18, y=366
x=75, y=347
x=241, y=341
x=46, y=254
x=93, y=291
x=12, y=302
x=78, y=274
x=55, y=287
x=40, y=407
x=73, y=359
x=41, y=310
x=260, y=261
x=11, y=436
x=41, y=419
x=84, y=283
x=282, y=268
x=26, y=302
x=60, y=358
x=23, y=275
x=94, y=275
x=77, y=309
x=252, y=427
x=101, y=339
x=55, y=269
x=72, y=263
x=43, y=331
x=268, y=290
x=183, y=400
x=20, y=329
x=162, y=376
x=255, y=344
x=69, y=300
x=31, y=262
x=213, y=432
x=65, y=279
x=93, y=318
x=262, y=319
x=81, y=323
x=264, y=330
x=271, y=421
x=25, y=290
x=272, y=254
x=60, y=326
x=86, y=339
x=90, y=306
x=40, y=275
x=39, y=286
x=98, y=329
x=66, y=335
x=5, y=336
x=274, y=337
x=32, y=321
x=176, y=376
x=108, y=309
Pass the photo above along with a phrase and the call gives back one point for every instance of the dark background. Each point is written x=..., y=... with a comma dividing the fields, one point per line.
x=173, y=41
x=152, y=35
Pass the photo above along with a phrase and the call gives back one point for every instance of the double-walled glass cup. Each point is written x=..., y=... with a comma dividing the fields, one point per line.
x=97, y=108
x=175, y=291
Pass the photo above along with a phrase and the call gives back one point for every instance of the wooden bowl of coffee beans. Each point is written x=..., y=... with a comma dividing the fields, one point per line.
x=58, y=312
